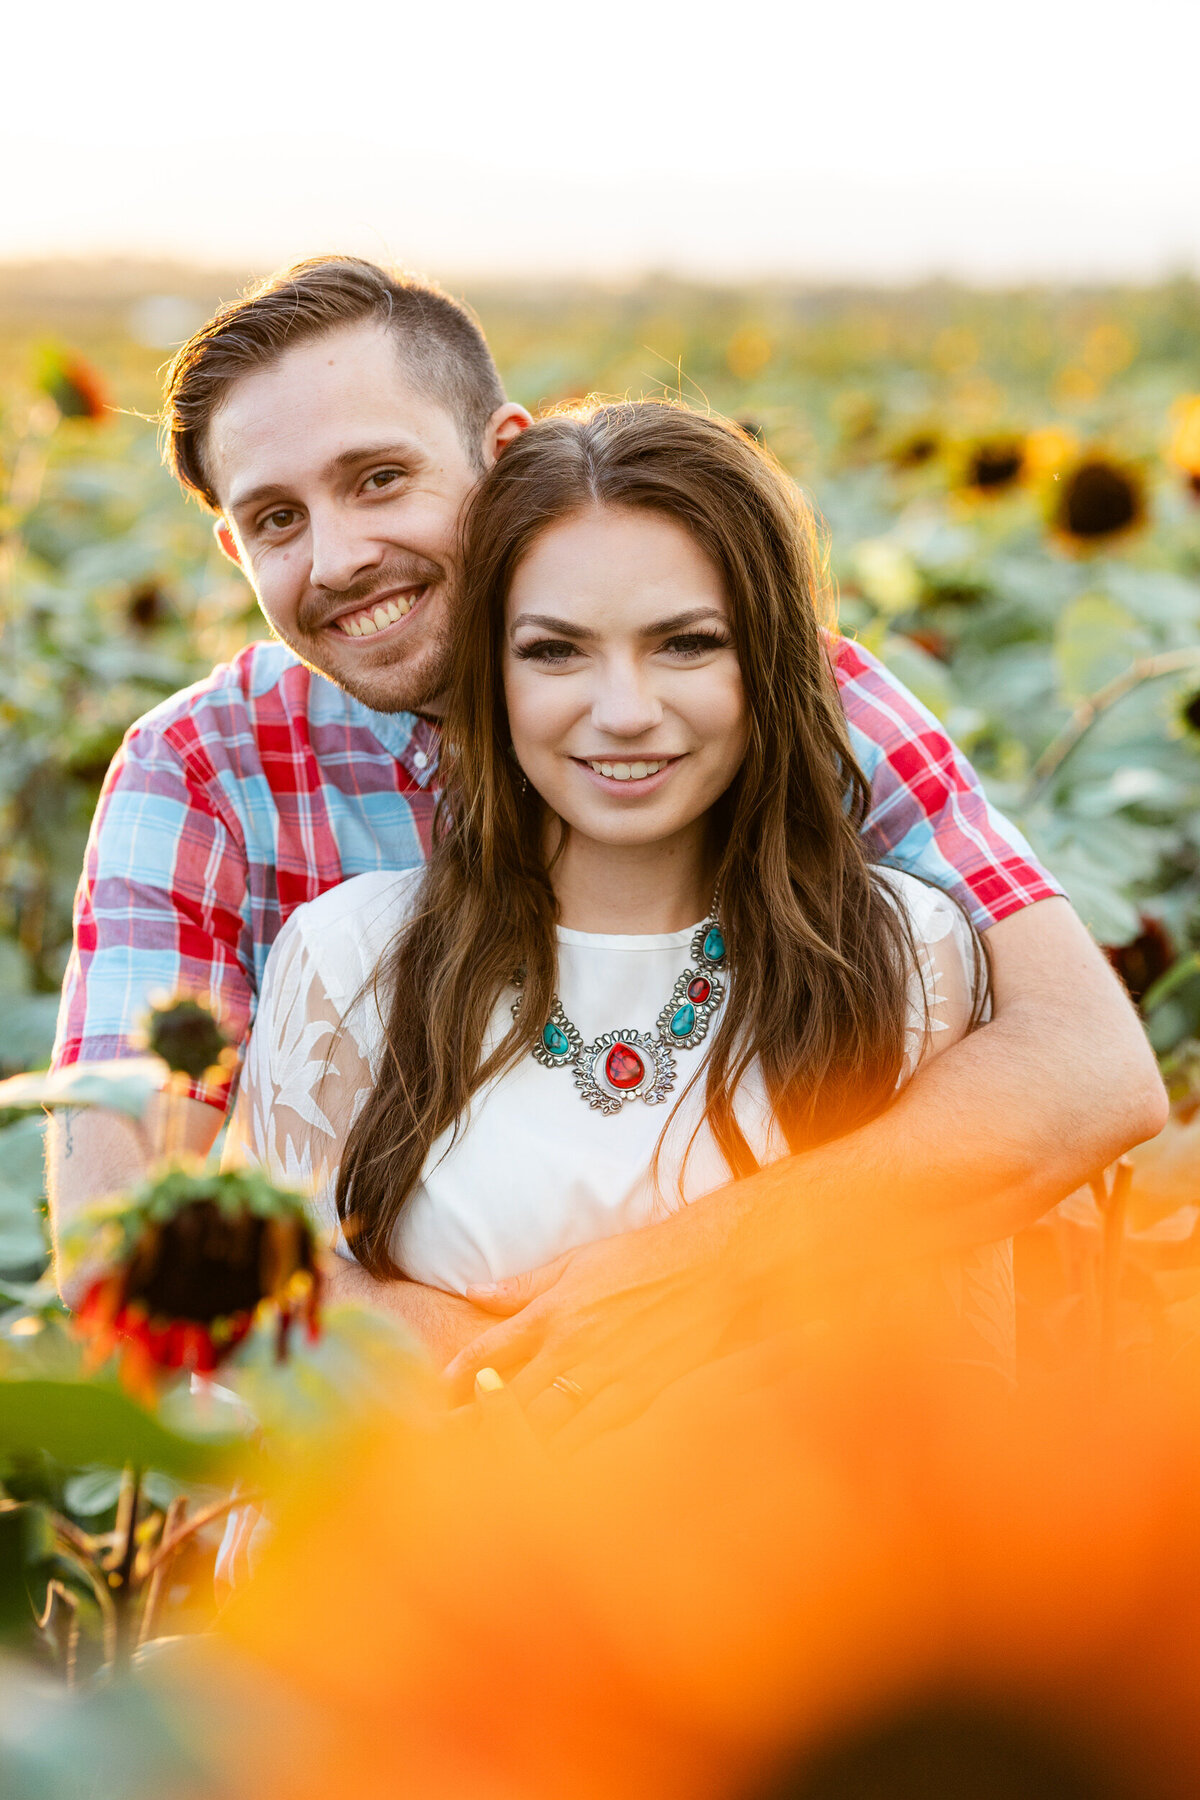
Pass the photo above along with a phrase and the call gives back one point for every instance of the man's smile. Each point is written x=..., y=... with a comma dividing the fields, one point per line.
x=381, y=614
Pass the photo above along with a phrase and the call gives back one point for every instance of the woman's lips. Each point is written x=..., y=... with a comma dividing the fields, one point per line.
x=628, y=775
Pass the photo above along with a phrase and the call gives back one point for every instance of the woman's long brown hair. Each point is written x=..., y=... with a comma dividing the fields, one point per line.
x=818, y=953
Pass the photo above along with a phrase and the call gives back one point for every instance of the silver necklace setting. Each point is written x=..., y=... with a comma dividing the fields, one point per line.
x=620, y=1066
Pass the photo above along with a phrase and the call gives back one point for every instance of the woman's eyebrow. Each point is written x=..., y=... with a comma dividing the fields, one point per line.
x=680, y=621
x=545, y=622
x=660, y=627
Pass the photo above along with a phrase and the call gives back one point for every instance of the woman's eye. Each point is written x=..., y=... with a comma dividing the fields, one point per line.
x=696, y=643
x=547, y=650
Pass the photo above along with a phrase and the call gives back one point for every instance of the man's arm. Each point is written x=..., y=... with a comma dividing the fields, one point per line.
x=92, y=1154
x=982, y=1141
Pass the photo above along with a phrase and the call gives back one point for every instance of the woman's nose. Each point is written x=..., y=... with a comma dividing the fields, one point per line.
x=624, y=703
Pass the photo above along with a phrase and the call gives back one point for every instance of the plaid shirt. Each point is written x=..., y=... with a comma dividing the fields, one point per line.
x=257, y=789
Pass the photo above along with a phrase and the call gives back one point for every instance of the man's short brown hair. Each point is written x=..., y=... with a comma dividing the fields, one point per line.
x=438, y=340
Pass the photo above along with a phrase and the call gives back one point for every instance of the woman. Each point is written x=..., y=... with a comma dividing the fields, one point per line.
x=649, y=950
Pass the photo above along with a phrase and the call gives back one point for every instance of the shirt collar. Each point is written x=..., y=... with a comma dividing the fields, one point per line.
x=413, y=741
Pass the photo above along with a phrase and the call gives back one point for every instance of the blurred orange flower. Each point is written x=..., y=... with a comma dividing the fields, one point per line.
x=798, y=1556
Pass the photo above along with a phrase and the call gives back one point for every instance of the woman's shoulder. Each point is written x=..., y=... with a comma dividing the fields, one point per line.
x=931, y=913
x=346, y=930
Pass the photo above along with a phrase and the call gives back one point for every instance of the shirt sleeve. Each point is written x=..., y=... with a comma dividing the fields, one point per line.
x=160, y=907
x=929, y=815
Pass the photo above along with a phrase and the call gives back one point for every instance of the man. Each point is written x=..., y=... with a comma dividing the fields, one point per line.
x=336, y=421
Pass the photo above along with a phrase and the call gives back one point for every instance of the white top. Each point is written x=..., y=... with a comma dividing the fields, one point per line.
x=533, y=1170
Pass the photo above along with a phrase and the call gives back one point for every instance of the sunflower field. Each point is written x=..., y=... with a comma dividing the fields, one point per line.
x=1010, y=484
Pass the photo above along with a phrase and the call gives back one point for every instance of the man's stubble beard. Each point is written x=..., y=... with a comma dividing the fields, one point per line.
x=416, y=682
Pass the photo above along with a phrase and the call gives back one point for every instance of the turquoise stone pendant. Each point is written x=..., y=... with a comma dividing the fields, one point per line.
x=559, y=1043
x=683, y=1021
x=708, y=944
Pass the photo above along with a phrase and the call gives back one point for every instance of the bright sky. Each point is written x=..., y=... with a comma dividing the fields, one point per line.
x=857, y=138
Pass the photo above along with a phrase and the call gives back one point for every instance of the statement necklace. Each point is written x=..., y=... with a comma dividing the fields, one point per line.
x=636, y=1065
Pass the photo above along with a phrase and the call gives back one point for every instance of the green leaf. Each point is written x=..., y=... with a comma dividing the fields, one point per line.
x=125, y=1085
x=78, y=1423
x=1095, y=641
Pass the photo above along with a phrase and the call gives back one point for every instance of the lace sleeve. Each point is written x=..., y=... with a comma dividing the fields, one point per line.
x=941, y=995
x=307, y=1072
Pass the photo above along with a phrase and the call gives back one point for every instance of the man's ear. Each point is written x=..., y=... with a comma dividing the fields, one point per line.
x=227, y=541
x=506, y=423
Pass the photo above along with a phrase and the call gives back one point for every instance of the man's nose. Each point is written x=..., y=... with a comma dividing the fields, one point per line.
x=624, y=703
x=341, y=551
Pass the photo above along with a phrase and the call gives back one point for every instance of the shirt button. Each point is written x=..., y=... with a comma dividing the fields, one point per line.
x=420, y=758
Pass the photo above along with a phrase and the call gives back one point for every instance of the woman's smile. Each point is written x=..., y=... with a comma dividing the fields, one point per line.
x=628, y=776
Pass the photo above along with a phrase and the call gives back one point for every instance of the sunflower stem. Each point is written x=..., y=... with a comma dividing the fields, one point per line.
x=1090, y=711
x=121, y=1578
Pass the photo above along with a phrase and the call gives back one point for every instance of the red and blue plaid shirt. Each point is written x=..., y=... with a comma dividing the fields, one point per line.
x=257, y=789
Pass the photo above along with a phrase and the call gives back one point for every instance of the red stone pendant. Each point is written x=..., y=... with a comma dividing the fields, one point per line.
x=624, y=1067
x=699, y=990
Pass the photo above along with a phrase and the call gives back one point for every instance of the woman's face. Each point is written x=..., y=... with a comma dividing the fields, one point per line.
x=624, y=692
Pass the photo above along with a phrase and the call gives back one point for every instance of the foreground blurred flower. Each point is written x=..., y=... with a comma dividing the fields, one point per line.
x=77, y=389
x=1098, y=500
x=993, y=465
x=189, y=1259
x=1143, y=959
x=807, y=1574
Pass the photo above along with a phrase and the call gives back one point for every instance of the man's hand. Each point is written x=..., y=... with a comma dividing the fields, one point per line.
x=985, y=1139
x=619, y=1319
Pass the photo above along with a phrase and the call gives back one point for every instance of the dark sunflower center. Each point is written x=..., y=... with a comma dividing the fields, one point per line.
x=947, y=1751
x=1141, y=962
x=995, y=466
x=201, y=1265
x=1097, y=500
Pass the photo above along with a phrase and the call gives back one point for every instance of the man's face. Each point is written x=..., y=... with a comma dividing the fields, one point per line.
x=341, y=485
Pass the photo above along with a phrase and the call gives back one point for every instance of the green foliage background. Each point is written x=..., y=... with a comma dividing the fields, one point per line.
x=112, y=594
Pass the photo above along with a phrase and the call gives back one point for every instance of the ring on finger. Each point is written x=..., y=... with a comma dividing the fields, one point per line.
x=565, y=1385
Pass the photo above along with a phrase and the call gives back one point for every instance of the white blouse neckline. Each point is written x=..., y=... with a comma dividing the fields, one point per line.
x=605, y=940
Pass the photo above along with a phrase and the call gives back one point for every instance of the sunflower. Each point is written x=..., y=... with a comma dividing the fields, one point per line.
x=77, y=389
x=993, y=465
x=189, y=1259
x=1098, y=501
x=915, y=449
x=1189, y=713
x=1143, y=959
x=1183, y=448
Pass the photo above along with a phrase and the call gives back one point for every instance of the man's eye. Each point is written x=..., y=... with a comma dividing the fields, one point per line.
x=280, y=519
x=383, y=478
